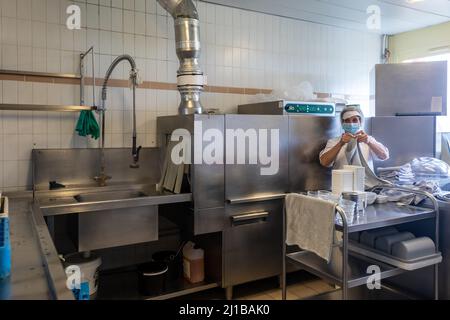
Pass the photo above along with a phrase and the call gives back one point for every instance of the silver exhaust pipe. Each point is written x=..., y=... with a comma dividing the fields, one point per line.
x=190, y=79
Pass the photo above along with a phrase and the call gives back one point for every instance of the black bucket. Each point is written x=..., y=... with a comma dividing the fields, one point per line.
x=152, y=278
x=173, y=262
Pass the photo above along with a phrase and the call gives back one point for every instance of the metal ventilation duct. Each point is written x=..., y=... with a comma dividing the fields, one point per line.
x=190, y=79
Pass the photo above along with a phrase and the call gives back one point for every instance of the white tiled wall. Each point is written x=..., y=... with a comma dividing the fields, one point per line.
x=240, y=49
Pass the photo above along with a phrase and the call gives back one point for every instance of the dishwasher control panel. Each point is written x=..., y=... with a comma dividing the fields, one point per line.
x=310, y=108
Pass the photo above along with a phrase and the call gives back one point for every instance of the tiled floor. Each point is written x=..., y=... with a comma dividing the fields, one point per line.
x=301, y=285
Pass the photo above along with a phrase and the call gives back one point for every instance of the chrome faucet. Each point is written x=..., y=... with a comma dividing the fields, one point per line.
x=102, y=178
x=134, y=81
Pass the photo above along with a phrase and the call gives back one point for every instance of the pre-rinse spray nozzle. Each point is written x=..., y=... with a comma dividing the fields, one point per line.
x=135, y=78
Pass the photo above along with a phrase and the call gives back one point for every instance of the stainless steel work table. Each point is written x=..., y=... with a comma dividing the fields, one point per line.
x=375, y=216
x=36, y=270
x=30, y=277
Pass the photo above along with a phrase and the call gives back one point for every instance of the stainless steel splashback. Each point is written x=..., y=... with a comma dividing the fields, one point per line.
x=79, y=166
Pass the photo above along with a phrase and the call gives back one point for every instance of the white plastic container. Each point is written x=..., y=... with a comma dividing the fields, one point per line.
x=359, y=176
x=89, y=264
x=193, y=263
x=341, y=181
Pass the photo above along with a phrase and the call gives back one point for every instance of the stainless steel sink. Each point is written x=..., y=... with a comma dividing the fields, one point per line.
x=112, y=216
x=96, y=199
x=108, y=196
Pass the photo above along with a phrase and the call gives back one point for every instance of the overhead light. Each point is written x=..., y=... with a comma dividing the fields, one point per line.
x=414, y=1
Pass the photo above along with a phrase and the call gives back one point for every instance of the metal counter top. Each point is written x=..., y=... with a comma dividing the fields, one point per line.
x=28, y=280
x=388, y=214
x=36, y=272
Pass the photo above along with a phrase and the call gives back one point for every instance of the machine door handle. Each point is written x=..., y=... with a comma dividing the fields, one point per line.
x=269, y=197
x=249, y=217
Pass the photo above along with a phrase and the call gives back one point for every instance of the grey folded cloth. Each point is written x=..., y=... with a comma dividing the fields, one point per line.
x=355, y=157
x=372, y=180
x=310, y=224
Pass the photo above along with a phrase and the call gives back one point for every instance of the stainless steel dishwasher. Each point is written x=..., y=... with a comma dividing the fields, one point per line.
x=237, y=199
x=254, y=206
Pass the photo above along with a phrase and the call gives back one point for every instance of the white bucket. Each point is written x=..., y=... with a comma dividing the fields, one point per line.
x=89, y=265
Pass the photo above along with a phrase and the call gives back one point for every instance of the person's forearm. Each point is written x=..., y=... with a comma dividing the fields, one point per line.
x=328, y=157
x=381, y=152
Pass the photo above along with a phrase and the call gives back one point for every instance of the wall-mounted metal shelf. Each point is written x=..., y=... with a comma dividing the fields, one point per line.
x=54, y=108
x=36, y=107
x=40, y=74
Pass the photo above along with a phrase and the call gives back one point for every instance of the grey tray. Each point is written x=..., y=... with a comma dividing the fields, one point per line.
x=395, y=261
x=369, y=237
x=385, y=243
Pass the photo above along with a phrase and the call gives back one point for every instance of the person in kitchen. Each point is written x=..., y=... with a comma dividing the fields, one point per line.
x=343, y=150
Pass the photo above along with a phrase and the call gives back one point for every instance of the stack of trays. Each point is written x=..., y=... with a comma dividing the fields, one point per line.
x=172, y=174
x=400, y=249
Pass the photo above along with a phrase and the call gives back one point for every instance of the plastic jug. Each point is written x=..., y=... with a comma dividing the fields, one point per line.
x=193, y=263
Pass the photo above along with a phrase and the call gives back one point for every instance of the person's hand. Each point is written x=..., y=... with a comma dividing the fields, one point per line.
x=346, y=137
x=361, y=136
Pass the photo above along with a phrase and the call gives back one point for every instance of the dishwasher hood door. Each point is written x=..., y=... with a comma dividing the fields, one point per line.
x=244, y=181
x=308, y=135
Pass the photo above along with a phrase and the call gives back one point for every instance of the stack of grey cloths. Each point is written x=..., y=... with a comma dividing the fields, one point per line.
x=402, y=175
x=430, y=168
x=412, y=198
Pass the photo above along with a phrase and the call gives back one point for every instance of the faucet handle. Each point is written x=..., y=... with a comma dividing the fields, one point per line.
x=135, y=164
x=102, y=177
x=138, y=151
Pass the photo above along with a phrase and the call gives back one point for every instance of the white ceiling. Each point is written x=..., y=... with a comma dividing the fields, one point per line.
x=396, y=15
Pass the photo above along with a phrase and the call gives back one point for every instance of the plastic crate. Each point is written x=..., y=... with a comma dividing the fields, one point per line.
x=5, y=244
